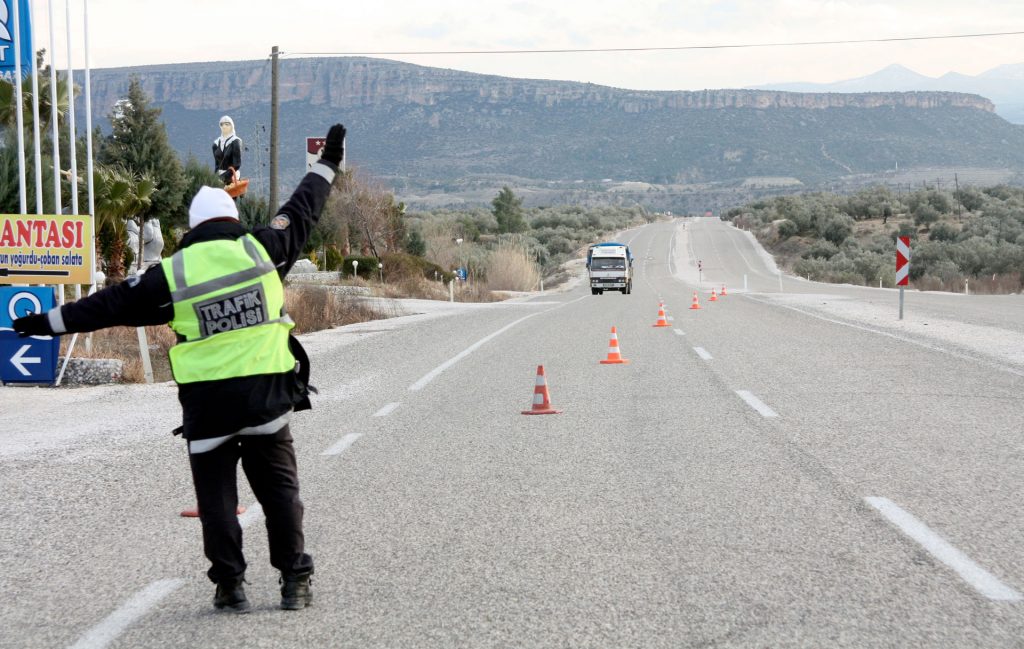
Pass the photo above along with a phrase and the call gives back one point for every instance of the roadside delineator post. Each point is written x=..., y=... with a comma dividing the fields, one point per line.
x=541, y=398
x=614, y=357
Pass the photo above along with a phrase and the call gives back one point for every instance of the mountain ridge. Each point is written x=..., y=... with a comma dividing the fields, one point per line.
x=441, y=132
x=1003, y=85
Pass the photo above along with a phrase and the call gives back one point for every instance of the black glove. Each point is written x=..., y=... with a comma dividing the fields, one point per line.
x=334, y=149
x=37, y=324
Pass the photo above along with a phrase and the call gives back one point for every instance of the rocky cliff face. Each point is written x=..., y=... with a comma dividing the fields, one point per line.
x=362, y=82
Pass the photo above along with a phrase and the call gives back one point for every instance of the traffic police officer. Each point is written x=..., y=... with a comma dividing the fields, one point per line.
x=240, y=374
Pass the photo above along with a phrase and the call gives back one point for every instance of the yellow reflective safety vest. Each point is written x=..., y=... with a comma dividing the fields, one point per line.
x=229, y=309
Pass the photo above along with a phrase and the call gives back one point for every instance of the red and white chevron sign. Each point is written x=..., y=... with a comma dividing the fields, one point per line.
x=902, y=261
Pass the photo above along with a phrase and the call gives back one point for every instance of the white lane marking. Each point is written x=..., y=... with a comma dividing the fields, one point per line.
x=139, y=605
x=679, y=332
x=982, y=580
x=252, y=514
x=434, y=373
x=342, y=444
x=703, y=353
x=756, y=403
x=387, y=410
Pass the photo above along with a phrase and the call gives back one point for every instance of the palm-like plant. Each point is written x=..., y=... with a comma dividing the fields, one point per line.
x=8, y=114
x=120, y=195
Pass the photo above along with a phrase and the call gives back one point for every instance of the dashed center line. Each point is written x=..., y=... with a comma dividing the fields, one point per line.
x=980, y=579
x=387, y=410
x=756, y=404
x=342, y=444
x=703, y=353
x=139, y=605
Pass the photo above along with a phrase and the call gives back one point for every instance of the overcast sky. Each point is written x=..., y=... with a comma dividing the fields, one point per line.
x=126, y=33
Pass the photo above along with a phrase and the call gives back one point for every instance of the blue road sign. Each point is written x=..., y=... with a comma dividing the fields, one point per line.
x=7, y=38
x=26, y=360
x=461, y=273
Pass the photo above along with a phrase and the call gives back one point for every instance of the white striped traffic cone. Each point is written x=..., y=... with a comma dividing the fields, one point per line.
x=614, y=357
x=541, y=398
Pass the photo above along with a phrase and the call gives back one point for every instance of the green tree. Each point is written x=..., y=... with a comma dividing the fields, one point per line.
x=415, y=245
x=138, y=143
x=508, y=211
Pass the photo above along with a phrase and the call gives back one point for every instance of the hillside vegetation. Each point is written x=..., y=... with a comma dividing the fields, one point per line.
x=971, y=235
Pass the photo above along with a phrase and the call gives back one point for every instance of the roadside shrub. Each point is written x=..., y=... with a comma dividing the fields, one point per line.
x=787, y=229
x=366, y=268
x=319, y=307
x=333, y=259
x=821, y=250
x=836, y=228
x=943, y=232
x=400, y=266
x=510, y=268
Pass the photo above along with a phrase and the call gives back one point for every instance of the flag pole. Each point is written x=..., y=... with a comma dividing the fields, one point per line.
x=19, y=109
x=38, y=157
x=72, y=135
x=88, y=141
x=55, y=131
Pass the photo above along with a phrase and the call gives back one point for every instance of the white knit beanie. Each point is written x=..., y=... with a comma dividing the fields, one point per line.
x=211, y=203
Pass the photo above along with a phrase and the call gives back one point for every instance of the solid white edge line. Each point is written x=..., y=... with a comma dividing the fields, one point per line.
x=980, y=579
x=983, y=361
x=342, y=444
x=138, y=606
x=387, y=409
x=703, y=353
x=679, y=332
x=756, y=403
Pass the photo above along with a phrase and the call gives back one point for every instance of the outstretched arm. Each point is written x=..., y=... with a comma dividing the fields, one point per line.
x=287, y=234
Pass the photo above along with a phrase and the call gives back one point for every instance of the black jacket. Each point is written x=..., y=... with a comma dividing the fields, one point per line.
x=228, y=156
x=216, y=408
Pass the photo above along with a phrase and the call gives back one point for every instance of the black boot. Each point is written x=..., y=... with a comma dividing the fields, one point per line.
x=230, y=596
x=295, y=592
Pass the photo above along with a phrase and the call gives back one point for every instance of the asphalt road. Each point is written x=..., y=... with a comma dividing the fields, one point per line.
x=756, y=476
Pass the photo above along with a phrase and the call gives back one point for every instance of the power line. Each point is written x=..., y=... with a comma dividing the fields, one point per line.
x=664, y=49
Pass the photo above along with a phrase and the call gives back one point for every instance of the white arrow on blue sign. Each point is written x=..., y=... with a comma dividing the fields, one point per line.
x=26, y=360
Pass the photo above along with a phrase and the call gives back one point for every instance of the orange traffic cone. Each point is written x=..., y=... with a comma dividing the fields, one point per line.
x=541, y=399
x=713, y=297
x=614, y=357
x=194, y=513
x=696, y=302
x=723, y=293
x=662, y=321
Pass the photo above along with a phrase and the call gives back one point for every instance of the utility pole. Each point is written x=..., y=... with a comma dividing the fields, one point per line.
x=259, y=157
x=959, y=215
x=273, y=130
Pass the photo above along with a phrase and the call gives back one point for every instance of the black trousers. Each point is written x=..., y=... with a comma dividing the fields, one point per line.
x=269, y=465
